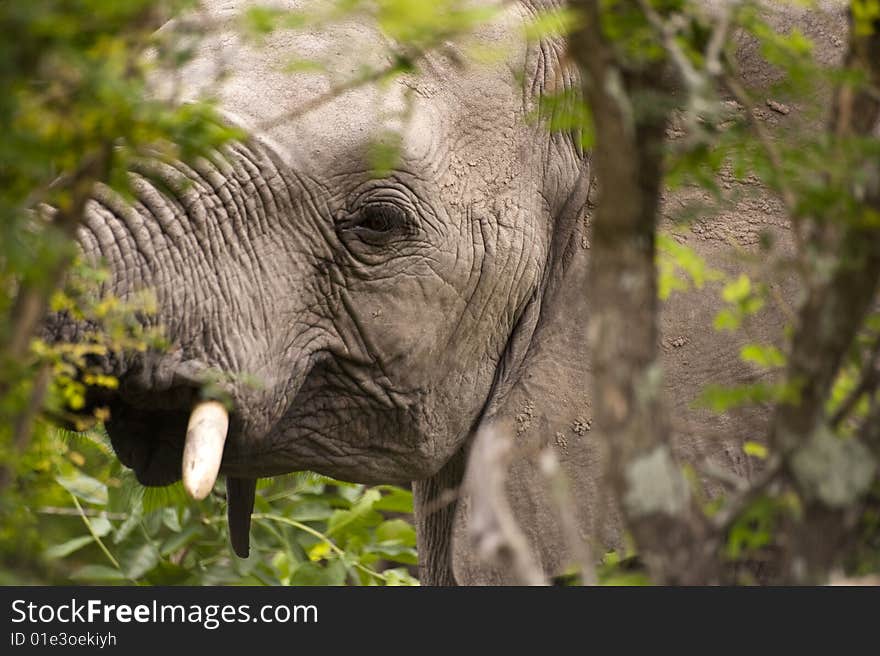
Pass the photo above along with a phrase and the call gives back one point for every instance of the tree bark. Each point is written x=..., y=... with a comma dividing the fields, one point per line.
x=630, y=104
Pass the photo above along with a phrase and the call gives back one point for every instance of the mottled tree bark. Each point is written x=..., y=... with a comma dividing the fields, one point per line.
x=631, y=101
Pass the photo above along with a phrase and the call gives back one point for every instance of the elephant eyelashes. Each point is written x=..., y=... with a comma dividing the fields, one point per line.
x=376, y=223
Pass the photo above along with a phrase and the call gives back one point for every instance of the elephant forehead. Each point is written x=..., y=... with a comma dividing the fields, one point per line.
x=316, y=98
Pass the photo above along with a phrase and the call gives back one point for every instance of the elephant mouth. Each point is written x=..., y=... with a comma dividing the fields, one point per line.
x=162, y=427
x=151, y=416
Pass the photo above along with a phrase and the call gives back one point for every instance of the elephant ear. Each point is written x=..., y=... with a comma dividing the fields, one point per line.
x=539, y=412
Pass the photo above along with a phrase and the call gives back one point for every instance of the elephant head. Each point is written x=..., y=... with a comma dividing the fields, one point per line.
x=361, y=323
x=366, y=325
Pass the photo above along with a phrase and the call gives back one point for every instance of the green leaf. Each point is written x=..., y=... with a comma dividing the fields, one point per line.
x=394, y=499
x=398, y=531
x=866, y=15
x=753, y=529
x=384, y=154
x=727, y=320
x=170, y=519
x=362, y=510
x=260, y=21
x=399, y=576
x=551, y=23
x=672, y=256
x=320, y=551
x=762, y=355
x=738, y=290
x=304, y=66
x=310, y=511
x=179, y=540
x=97, y=574
x=85, y=488
x=66, y=548
x=308, y=573
x=756, y=450
x=722, y=398
x=139, y=560
x=394, y=552
x=129, y=524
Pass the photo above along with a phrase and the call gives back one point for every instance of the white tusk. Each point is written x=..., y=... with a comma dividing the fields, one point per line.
x=203, y=449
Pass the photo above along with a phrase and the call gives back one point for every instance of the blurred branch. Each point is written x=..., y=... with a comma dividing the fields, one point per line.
x=24, y=422
x=338, y=90
x=567, y=513
x=88, y=512
x=494, y=532
x=869, y=432
x=869, y=378
x=725, y=519
x=667, y=32
x=774, y=155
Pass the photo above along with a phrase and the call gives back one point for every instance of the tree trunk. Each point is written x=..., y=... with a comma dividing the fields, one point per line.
x=630, y=104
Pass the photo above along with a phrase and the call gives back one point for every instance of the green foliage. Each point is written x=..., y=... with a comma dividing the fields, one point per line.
x=679, y=267
x=743, y=299
x=753, y=530
x=616, y=570
x=422, y=25
x=762, y=355
x=552, y=23
x=75, y=110
x=820, y=174
x=755, y=450
x=721, y=398
x=566, y=112
x=98, y=526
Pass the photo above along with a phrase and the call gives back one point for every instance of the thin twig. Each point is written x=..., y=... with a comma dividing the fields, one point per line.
x=719, y=473
x=97, y=539
x=695, y=82
x=566, y=510
x=868, y=381
x=494, y=531
x=718, y=40
x=724, y=519
x=789, y=197
x=332, y=94
x=73, y=512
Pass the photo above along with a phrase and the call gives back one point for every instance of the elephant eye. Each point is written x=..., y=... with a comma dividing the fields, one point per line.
x=376, y=223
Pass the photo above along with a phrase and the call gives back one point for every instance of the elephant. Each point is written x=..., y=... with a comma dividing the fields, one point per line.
x=368, y=325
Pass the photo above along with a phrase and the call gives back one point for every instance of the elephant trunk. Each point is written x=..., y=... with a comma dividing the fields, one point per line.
x=212, y=241
x=189, y=235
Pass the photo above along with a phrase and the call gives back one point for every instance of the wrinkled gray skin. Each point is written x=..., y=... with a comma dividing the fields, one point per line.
x=384, y=319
